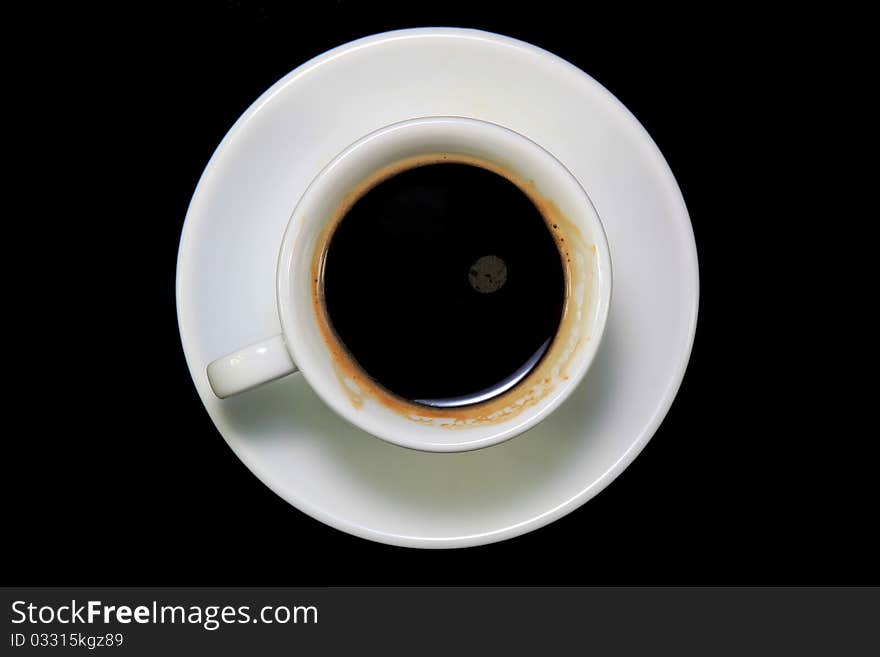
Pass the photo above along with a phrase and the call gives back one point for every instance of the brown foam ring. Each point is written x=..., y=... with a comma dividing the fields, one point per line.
x=576, y=257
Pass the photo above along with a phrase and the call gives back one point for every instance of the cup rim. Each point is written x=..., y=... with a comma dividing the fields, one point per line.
x=342, y=406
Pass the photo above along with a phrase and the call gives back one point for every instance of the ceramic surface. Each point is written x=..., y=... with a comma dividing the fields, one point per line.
x=309, y=344
x=344, y=476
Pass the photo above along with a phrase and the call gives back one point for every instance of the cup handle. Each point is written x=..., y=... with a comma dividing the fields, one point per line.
x=250, y=367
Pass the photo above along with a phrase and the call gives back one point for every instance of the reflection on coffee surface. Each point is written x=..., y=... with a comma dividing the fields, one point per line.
x=444, y=283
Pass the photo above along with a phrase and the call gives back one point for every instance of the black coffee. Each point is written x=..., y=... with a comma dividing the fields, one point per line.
x=445, y=284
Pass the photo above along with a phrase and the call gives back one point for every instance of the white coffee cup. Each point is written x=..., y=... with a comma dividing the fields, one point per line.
x=308, y=344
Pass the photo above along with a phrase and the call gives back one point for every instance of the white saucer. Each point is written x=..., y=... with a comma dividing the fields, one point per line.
x=343, y=476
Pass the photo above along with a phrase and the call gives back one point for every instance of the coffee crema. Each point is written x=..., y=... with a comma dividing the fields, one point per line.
x=578, y=255
x=443, y=281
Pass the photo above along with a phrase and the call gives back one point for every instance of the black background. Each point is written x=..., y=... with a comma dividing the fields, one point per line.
x=115, y=474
